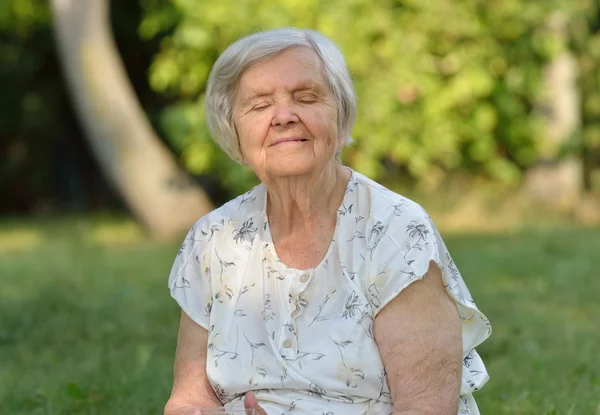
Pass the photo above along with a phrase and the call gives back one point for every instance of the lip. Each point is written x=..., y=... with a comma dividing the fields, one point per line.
x=287, y=140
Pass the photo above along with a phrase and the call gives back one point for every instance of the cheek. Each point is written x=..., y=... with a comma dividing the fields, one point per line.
x=251, y=134
x=328, y=126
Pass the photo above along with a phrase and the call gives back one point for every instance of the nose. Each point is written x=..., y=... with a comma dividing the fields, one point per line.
x=285, y=114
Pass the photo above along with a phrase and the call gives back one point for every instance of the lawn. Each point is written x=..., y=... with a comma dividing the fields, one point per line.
x=87, y=325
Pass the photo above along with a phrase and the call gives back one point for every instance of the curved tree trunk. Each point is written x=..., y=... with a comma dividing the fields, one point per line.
x=557, y=182
x=128, y=150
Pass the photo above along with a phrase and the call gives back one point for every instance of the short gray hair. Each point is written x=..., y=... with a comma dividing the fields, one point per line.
x=224, y=77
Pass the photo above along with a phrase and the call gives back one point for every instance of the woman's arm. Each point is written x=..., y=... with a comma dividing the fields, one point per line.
x=419, y=337
x=191, y=388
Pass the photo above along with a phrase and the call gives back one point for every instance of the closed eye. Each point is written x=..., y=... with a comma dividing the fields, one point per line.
x=261, y=106
x=307, y=99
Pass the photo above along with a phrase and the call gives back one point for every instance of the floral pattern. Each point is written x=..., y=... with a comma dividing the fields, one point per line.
x=303, y=339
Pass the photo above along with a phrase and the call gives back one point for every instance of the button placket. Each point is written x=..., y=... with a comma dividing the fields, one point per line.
x=287, y=341
x=297, y=287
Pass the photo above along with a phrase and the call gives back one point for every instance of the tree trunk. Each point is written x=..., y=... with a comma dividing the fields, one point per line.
x=557, y=182
x=130, y=154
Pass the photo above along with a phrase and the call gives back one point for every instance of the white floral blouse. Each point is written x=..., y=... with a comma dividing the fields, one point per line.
x=303, y=339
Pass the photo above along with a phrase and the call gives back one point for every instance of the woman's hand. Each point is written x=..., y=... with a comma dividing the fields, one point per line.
x=250, y=403
x=188, y=411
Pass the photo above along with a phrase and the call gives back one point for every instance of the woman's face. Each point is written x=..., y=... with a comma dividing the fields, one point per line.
x=285, y=116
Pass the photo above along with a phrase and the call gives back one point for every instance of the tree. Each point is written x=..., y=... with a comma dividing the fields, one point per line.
x=557, y=181
x=132, y=157
x=444, y=87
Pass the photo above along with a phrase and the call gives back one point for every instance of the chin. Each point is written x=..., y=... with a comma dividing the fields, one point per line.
x=290, y=169
x=290, y=164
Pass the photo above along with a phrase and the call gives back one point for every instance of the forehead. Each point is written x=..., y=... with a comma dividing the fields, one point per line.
x=292, y=68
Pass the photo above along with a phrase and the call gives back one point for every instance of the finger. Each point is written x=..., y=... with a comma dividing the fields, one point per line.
x=250, y=400
x=251, y=403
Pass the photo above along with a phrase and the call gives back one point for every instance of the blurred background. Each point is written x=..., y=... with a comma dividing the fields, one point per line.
x=485, y=112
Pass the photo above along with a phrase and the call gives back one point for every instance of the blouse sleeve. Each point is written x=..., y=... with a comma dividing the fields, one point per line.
x=189, y=280
x=407, y=247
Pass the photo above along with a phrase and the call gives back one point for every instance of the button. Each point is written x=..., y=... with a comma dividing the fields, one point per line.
x=304, y=278
x=287, y=343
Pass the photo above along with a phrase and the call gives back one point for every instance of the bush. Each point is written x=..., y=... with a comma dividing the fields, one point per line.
x=443, y=87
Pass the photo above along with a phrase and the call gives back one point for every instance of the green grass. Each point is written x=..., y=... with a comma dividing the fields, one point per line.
x=88, y=327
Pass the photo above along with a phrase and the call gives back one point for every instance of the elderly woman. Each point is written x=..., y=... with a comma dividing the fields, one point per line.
x=319, y=291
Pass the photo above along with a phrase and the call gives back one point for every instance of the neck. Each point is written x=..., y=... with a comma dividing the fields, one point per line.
x=301, y=204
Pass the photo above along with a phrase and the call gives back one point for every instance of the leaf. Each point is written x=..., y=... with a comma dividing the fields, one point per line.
x=358, y=372
x=229, y=292
x=74, y=391
x=346, y=399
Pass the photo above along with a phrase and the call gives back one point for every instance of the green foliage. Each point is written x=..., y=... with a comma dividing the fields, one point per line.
x=22, y=54
x=45, y=164
x=443, y=86
x=88, y=327
x=586, y=43
x=23, y=23
x=30, y=101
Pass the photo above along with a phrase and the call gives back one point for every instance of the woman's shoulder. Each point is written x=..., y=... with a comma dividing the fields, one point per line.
x=380, y=203
x=236, y=211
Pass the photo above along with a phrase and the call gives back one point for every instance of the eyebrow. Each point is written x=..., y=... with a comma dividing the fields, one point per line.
x=312, y=87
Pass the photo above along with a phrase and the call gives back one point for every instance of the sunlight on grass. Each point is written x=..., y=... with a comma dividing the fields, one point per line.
x=474, y=215
x=110, y=234
x=14, y=240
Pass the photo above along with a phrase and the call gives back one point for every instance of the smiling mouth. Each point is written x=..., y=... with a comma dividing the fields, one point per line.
x=290, y=140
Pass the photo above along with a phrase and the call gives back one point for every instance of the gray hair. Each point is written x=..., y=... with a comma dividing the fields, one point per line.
x=258, y=47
